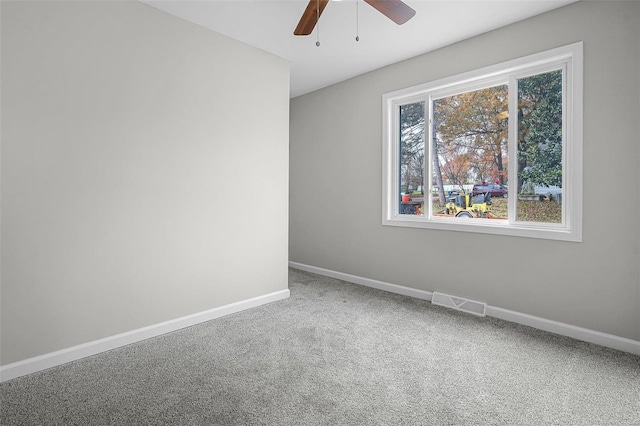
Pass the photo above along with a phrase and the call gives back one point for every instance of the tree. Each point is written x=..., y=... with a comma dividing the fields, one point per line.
x=412, y=133
x=456, y=167
x=437, y=171
x=540, y=129
x=472, y=130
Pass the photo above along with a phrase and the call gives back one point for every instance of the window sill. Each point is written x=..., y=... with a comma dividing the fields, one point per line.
x=488, y=226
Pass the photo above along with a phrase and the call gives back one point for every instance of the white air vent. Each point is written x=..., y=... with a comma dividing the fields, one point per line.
x=458, y=303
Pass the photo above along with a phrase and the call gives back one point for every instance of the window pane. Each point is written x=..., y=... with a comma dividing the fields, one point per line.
x=540, y=148
x=470, y=163
x=411, y=159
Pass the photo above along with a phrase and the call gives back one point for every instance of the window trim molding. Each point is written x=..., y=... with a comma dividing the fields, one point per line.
x=571, y=230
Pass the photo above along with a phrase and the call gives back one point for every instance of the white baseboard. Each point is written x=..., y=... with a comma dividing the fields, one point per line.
x=380, y=285
x=53, y=359
x=579, y=333
x=563, y=329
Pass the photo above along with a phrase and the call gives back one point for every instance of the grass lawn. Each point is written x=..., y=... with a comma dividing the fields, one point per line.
x=529, y=211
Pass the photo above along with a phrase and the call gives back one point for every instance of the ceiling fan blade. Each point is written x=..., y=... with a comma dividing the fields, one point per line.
x=310, y=17
x=395, y=10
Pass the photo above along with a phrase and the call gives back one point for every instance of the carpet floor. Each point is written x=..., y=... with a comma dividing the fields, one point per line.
x=336, y=353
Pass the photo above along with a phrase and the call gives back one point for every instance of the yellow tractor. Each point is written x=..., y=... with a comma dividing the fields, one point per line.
x=466, y=205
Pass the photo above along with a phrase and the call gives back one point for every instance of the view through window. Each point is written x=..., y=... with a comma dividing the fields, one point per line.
x=470, y=167
x=412, y=155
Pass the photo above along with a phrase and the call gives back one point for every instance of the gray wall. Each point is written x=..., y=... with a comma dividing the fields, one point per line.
x=335, y=182
x=144, y=172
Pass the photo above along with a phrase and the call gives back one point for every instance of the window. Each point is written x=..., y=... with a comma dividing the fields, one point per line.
x=497, y=150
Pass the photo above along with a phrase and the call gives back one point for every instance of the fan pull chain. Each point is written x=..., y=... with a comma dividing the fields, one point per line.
x=357, y=21
x=317, y=23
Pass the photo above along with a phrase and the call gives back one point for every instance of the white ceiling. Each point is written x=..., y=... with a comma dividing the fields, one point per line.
x=269, y=25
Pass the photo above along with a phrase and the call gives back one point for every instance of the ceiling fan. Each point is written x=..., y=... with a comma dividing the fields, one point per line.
x=395, y=10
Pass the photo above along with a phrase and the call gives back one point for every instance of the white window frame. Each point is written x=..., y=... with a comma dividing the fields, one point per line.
x=570, y=59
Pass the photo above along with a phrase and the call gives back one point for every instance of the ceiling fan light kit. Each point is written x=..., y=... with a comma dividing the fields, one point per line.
x=396, y=10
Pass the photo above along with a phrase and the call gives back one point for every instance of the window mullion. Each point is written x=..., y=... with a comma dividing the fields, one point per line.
x=512, y=149
x=429, y=156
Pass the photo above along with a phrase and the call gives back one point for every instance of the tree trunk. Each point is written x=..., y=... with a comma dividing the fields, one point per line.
x=500, y=167
x=437, y=171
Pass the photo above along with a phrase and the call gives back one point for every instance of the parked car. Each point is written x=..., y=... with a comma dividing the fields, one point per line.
x=495, y=189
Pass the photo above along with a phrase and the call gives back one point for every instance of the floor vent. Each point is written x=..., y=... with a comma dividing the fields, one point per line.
x=458, y=303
